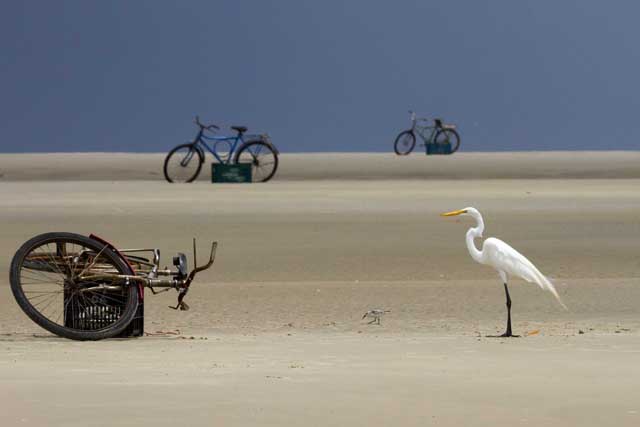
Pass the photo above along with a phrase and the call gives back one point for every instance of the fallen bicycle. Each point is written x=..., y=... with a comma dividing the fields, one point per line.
x=84, y=288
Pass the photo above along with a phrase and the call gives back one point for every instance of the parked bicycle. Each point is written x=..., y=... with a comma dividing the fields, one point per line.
x=436, y=133
x=184, y=162
x=83, y=288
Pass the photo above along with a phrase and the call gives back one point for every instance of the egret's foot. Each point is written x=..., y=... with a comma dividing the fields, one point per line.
x=505, y=335
x=509, y=335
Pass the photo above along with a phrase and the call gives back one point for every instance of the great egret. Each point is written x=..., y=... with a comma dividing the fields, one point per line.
x=506, y=260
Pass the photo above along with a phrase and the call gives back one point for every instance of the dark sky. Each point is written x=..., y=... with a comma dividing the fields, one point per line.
x=319, y=75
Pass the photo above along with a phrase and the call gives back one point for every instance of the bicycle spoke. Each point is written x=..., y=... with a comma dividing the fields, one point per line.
x=93, y=262
x=53, y=262
x=262, y=159
x=52, y=280
x=187, y=158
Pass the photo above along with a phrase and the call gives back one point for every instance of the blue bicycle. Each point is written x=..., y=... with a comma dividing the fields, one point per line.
x=184, y=162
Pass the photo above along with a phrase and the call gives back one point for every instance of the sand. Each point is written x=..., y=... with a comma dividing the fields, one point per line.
x=337, y=166
x=277, y=333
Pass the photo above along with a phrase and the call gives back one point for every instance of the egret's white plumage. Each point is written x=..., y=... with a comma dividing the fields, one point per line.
x=503, y=258
x=510, y=262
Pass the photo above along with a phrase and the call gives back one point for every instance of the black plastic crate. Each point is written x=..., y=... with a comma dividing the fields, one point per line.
x=439, y=148
x=136, y=327
x=92, y=317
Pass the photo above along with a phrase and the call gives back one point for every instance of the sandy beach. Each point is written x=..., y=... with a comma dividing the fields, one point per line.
x=338, y=166
x=275, y=337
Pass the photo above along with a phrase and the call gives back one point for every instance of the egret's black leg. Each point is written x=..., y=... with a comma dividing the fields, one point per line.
x=508, y=331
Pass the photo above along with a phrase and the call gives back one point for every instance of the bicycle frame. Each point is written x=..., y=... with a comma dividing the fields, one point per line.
x=147, y=273
x=422, y=130
x=235, y=142
x=211, y=147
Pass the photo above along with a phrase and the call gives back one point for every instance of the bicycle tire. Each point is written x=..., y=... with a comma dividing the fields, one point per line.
x=454, y=141
x=130, y=293
x=406, y=138
x=192, y=149
x=255, y=163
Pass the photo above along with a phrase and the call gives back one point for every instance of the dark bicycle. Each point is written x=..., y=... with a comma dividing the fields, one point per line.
x=184, y=162
x=84, y=288
x=438, y=134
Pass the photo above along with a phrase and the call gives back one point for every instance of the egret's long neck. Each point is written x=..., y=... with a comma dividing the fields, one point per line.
x=471, y=235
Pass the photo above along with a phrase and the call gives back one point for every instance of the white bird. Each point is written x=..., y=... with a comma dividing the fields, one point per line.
x=506, y=260
x=376, y=314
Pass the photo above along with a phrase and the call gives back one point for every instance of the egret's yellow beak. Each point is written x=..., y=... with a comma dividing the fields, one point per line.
x=454, y=213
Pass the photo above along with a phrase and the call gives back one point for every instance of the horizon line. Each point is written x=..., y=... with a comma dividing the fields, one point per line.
x=333, y=152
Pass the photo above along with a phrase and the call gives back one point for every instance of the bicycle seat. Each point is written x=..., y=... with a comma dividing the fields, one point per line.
x=240, y=129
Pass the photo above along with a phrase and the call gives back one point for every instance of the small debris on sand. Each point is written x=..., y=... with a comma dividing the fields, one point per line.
x=162, y=333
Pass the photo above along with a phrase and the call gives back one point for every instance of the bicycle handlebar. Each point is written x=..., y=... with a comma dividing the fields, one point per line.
x=209, y=127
